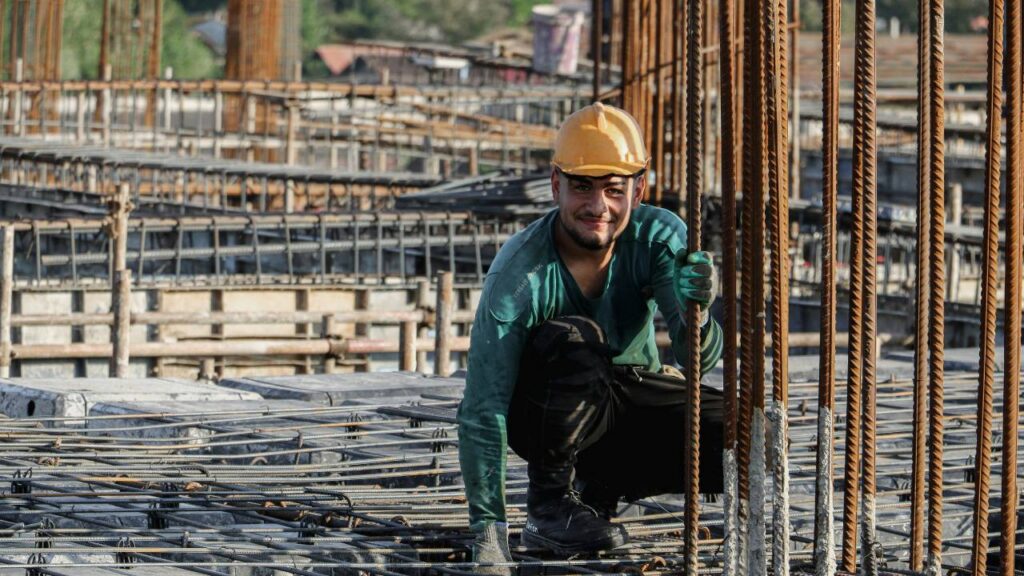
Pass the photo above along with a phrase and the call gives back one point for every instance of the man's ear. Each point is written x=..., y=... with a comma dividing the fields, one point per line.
x=556, y=182
x=640, y=188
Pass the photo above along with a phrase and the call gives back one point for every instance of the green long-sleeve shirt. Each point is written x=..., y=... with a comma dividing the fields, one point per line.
x=528, y=284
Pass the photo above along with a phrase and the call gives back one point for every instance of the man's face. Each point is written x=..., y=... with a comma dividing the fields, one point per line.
x=594, y=211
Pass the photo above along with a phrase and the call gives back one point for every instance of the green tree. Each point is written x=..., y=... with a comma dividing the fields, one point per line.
x=80, y=44
x=181, y=50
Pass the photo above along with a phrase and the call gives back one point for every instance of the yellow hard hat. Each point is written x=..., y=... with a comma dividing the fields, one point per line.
x=599, y=140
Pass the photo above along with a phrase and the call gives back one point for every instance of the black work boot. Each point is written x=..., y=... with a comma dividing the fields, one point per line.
x=566, y=526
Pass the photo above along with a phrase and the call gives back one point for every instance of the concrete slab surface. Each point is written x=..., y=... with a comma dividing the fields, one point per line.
x=75, y=397
x=339, y=389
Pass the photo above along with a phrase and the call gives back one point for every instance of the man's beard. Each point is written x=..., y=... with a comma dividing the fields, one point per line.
x=593, y=244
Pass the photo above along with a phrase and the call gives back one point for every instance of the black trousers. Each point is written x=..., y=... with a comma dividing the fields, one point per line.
x=574, y=412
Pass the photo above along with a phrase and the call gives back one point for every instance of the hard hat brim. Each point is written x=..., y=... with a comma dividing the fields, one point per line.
x=600, y=170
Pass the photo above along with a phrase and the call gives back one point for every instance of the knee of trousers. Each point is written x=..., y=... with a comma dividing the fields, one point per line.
x=568, y=355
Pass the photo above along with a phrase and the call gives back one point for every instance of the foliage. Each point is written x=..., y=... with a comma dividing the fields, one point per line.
x=958, y=14
x=181, y=50
x=80, y=44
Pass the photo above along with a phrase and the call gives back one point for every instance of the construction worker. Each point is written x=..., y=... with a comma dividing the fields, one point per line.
x=563, y=365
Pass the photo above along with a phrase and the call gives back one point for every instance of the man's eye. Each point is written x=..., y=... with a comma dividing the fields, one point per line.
x=582, y=188
x=616, y=192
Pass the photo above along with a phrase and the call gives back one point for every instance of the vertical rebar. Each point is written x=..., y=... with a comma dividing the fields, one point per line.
x=596, y=41
x=936, y=328
x=919, y=454
x=156, y=40
x=694, y=185
x=758, y=186
x=864, y=92
x=776, y=90
x=824, y=522
x=854, y=402
x=729, y=157
x=1011, y=322
x=751, y=324
x=987, y=357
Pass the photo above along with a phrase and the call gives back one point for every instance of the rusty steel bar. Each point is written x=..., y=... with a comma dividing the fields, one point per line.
x=776, y=19
x=727, y=103
x=864, y=91
x=682, y=8
x=987, y=354
x=936, y=328
x=1011, y=322
x=758, y=185
x=917, y=485
x=596, y=42
x=657, y=111
x=854, y=402
x=824, y=520
x=694, y=186
x=751, y=324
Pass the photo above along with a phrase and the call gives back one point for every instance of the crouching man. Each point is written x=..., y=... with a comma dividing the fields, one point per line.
x=563, y=365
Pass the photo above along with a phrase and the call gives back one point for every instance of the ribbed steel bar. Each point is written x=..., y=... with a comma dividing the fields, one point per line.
x=1012, y=292
x=937, y=283
x=751, y=322
x=694, y=187
x=730, y=159
x=751, y=338
x=597, y=44
x=759, y=187
x=658, y=125
x=987, y=360
x=777, y=97
x=824, y=520
x=864, y=91
x=918, y=455
x=855, y=355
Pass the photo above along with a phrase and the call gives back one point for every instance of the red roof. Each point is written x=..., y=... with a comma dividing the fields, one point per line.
x=338, y=57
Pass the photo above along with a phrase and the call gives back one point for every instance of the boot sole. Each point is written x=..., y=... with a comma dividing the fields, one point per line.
x=534, y=540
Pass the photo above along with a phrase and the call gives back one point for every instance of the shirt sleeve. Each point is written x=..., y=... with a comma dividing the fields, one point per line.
x=496, y=344
x=662, y=277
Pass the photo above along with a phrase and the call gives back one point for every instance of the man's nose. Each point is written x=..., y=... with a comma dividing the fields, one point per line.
x=596, y=203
